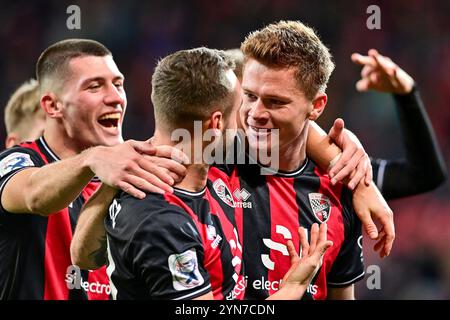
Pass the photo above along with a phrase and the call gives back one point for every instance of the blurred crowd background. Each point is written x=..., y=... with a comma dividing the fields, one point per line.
x=415, y=34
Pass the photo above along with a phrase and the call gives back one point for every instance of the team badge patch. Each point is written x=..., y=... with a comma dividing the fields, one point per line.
x=15, y=161
x=320, y=205
x=223, y=192
x=184, y=269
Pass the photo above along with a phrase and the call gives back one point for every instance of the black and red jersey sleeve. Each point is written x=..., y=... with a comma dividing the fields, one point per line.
x=348, y=267
x=164, y=251
x=14, y=160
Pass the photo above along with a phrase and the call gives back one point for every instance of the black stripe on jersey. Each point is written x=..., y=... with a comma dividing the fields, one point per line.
x=254, y=182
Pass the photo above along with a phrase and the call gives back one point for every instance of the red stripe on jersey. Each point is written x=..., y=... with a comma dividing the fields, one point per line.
x=284, y=224
x=336, y=230
x=234, y=183
x=57, y=257
x=213, y=262
x=99, y=276
x=233, y=239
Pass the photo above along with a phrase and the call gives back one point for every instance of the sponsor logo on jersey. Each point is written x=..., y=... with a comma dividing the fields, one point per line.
x=184, y=269
x=241, y=196
x=15, y=161
x=320, y=205
x=223, y=192
x=114, y=210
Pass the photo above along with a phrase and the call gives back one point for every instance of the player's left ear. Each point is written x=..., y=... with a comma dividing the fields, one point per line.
x=319, y=103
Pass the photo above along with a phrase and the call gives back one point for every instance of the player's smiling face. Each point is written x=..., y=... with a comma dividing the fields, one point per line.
x=93, y=101
x=273, y=100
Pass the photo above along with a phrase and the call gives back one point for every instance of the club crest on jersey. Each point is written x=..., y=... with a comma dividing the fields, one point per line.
x=15, y=161
x=321, y=206
x=223, y=192
x=184, y=269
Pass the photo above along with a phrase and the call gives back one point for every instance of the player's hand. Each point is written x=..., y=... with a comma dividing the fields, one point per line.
x=382, y=74
x=370, y=206
x=354, y=164
x=304, y=267
x=137, y=167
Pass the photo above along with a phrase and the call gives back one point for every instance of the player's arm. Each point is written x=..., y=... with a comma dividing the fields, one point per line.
x=304, y=267
x=345, y=293
x=340, y=152
x=424, y=167
x=50, y=188
x=88, y=246
x=373, y=207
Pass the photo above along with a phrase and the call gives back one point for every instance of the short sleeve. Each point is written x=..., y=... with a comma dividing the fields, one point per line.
x=14, y=160
x=167, y=252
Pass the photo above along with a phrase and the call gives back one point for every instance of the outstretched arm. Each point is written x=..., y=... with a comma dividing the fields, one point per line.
x=124, y=166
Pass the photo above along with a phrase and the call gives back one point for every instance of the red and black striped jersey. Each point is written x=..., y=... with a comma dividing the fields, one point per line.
x=272, y=207
x=35, y=250
x=173, y=246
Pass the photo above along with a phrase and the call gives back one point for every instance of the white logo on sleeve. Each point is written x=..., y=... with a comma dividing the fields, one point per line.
x=184, y=269
x=114, y=210
x=15, y=161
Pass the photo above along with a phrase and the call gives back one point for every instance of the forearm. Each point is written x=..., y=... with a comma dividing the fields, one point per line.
x=47, y=189
x=320, y=148
x=424, y=167
x=88, y=247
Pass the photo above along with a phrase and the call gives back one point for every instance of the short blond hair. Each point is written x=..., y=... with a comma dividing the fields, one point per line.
x=22, y=108
x=291, y=44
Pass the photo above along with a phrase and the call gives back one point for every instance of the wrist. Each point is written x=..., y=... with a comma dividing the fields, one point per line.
x=89, y=159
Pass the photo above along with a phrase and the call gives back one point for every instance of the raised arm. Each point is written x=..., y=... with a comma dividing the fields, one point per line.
x=424, y=168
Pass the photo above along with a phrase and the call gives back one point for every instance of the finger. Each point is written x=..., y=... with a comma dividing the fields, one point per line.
x=169, y=164
x=304, y=244
x=148, y=181
x=292, y=252
x=366, y=71
x=314, y=237
x=142, y=147
x=172, y=153
x=389, y=242
x=149, y=169
x=369, y=226
x=323, y=232
x=383, y=62
x=359, y=173
x=337, y=129
x=348, y=152
x=362, y=60
x=363, y=85
x=154, y=185
x=128, y=188
x=369, y=173
x=347, y=163
x=322, y=248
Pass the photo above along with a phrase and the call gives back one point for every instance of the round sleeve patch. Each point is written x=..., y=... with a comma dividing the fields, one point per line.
x=15, y=161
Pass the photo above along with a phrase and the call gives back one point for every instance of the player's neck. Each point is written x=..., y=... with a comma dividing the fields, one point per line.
x=292, y=157
x=60, y=143
x=196, y=174
x=195, y=179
